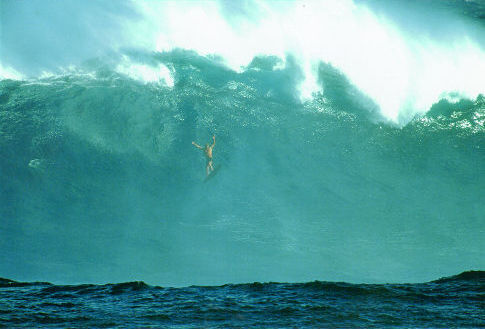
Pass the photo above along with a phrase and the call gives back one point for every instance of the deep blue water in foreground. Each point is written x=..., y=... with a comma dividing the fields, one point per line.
x=453, y=302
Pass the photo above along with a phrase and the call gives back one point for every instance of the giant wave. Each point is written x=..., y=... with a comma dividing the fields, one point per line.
x=99, y=181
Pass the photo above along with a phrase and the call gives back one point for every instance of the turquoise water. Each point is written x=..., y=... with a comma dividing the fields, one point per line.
x=100, y=182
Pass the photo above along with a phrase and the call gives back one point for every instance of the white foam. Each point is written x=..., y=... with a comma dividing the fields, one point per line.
x=10, y=73
x=400, y=72
x=159, y=74
x=47, y=77
x=403, y=73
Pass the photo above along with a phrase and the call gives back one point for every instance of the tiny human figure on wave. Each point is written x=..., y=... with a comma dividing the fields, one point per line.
x=208, y=154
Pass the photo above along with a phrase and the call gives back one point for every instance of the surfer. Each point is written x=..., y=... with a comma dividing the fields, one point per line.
x=208, y=154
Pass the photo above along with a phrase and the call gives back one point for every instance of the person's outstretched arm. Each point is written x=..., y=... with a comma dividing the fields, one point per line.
x=196, y=145
x=214, y=139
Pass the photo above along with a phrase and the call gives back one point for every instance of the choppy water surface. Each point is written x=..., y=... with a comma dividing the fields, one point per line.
x=454, y=302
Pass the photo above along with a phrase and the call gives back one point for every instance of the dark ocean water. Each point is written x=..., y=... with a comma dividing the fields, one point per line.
x=453, y=302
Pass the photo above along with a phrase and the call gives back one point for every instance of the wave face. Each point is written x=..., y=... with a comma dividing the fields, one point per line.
x=99, y=180
x=450, y=302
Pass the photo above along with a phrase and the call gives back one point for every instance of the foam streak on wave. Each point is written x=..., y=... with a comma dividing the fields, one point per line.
x=145, y=73
x=10, y=73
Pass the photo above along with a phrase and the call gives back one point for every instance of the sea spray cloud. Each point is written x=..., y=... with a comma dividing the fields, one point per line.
x=45, y=35
x=402, y=71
